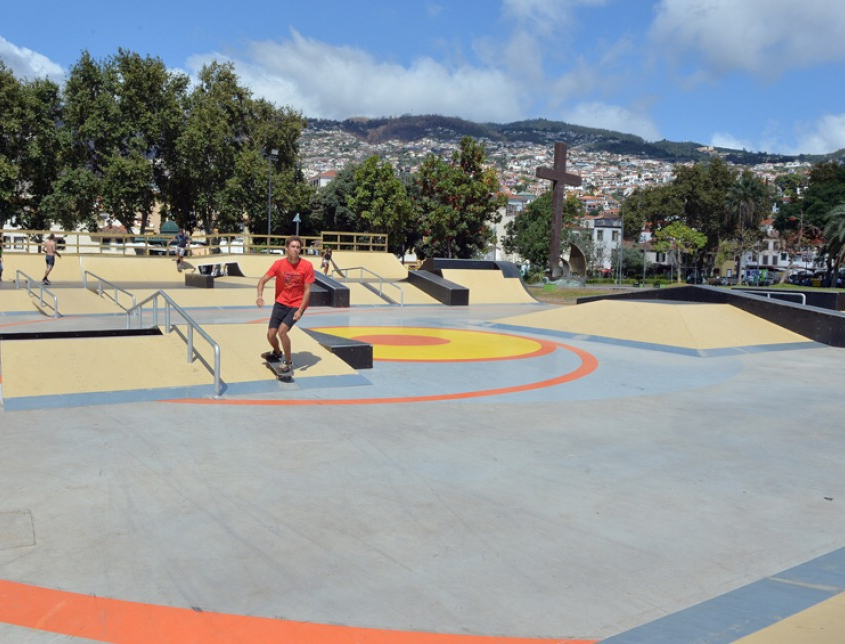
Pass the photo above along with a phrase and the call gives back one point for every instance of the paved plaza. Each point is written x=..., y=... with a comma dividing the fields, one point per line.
x=506, y=472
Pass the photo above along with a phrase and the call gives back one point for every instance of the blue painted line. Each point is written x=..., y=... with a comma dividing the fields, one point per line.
x=269, y=386
x=748, y=609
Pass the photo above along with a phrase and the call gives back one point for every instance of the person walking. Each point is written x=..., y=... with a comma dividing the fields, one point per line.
x=50, y=254
x=294, y=277
x=327, y=260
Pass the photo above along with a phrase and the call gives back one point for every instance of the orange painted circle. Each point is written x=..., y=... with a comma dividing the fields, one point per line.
x=588, y=364
x=430, y=344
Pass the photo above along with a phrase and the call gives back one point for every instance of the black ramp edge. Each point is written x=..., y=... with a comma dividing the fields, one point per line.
x=357, y=354
x=58, y=335
x=439, y=288
x=508, y=269
x=337, y=294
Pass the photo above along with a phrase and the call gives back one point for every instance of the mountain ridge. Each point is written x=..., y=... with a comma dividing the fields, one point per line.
x=408, y=128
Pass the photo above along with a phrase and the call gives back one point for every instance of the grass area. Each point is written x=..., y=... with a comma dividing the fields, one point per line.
x=563, y=295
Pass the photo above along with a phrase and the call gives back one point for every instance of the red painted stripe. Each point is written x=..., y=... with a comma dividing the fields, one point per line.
x=588, y=364
x=124, y=622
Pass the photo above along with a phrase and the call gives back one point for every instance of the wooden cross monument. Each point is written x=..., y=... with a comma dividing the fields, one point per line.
x=560, y=178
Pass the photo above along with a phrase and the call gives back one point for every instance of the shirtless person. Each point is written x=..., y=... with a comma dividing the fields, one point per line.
x=294, y=277
x=50, y=254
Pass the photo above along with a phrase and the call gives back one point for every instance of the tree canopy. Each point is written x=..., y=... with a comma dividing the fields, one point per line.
x=456, y=203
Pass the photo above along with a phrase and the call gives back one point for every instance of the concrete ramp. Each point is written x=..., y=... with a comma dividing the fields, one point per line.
x=489, y=286
x=385, y=265
x=70, y=372
x=129, y=269
x=14, y=300
x=66, y=269
x=700, y=328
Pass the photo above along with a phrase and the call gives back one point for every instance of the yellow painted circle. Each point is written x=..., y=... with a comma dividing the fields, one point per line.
x=427, y=344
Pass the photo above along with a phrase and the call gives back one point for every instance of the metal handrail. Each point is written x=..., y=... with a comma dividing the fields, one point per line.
x=801, y=296
x=138, y=310
x=381, y=281
x=41, y=290
x=100, y=291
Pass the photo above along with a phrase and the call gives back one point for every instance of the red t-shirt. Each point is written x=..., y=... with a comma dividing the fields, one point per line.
x=291, y=280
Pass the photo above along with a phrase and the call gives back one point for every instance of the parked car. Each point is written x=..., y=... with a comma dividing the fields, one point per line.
x=801, y=278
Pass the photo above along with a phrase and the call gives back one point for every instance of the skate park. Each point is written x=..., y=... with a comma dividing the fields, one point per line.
x=627, y=469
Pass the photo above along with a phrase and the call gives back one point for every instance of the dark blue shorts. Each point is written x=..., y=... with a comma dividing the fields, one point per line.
x=51, y=259
x=282, y=315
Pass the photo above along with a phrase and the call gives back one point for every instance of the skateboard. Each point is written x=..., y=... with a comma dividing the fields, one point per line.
x=276, y=367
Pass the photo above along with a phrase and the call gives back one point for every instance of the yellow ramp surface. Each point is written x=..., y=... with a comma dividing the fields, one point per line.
x=202, y=297
x=241, y=346
x=693, y=326
x=489, y=286
x=385, y=265
x=82, y=301
x=88, y=366
x=14, y=300
x=823, y=623
x=66, y=269
x=123, y=270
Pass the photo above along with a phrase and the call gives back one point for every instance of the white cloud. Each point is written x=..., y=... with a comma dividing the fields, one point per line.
x=325, y=81
x=613, y=117
x=824, y=136
x=27, y=64
x=545, y=16
x=726, y=140
x=763, y=37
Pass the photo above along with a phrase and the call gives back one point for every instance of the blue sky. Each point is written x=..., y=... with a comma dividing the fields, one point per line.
x=764, y=75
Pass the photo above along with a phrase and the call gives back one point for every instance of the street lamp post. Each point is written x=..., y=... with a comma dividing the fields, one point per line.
x=619, y=254
x=270, y=158
x=296, y=220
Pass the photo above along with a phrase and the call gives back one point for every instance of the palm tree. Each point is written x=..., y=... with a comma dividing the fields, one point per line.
x=834, y=234
x=745, y=203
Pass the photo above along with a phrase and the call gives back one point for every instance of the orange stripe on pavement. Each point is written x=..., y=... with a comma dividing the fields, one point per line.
x=589, y=363
x=125, y=622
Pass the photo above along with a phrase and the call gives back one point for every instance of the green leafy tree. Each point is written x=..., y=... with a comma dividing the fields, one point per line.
x=529, y=233
x=650, y=207
x=702, y=188
x=745, y=203
x=834, y=232
x=11, y=100
x=679, y=240
x=458, y=200
x=380, y=202
x=30, y=148
x=330, y=204
x=808, y=213
x=228, y=146
x=123, y=115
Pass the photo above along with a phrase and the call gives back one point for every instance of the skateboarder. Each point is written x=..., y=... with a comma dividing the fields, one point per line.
x=181, y=240
x=294, y=277
x=50, y=254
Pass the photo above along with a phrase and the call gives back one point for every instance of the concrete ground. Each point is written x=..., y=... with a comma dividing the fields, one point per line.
x=506, y=472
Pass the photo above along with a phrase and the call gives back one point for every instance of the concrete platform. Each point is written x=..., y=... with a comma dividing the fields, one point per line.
x=505, y=473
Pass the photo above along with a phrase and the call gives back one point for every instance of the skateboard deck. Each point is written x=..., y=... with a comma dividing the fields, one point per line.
x=276, y=367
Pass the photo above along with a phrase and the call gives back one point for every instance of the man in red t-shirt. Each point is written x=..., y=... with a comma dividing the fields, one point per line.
x=294, y=277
